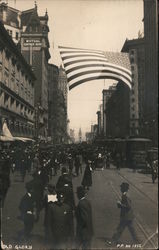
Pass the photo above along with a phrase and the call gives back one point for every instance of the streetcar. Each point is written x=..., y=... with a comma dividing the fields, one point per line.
x=136, y=152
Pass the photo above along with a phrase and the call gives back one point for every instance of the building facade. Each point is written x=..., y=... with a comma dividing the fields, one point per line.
x=63, y=84
x=118, y=112
x=107, y=93
x=16, y=88
x=35, y=49
x=57, y=106
x=136, y=50
x=30, y=32
x=53, y=74
x=11, y=19
x=151, y=69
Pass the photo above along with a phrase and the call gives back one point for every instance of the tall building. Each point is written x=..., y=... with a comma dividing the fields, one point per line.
x=80, y=135
x=118, y=112
x=57, y=107
x=16, y=89
x=35, y=49
x=30, y=32
x=53, y=75
x=151, y=69
x=63, y=84
x=107, y=93
x=98, y=123
x=136, y=50
x=72, y=135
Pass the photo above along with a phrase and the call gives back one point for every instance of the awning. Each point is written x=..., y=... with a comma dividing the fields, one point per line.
x=6, y=138
x=24, y=139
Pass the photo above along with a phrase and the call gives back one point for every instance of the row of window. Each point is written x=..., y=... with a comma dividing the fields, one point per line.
x=10, y=32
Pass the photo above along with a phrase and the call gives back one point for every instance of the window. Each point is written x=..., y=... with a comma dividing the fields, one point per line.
x=132, y=60
x=132, y=68
x=133, y=99
x=10, y=33
x=132, y=52
x=16, y=35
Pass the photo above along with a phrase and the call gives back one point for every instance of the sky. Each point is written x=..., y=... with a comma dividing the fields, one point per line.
x=89, y=24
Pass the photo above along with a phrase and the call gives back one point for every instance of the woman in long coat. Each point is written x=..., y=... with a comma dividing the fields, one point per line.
x=87, y=177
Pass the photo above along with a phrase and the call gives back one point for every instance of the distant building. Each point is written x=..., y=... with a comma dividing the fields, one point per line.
x=72, y=136
x=63, y=84
x=16, y=89
x=53, y=75
x=99, y=123
x=80, y=135
x=57, y=106
x=107, y=93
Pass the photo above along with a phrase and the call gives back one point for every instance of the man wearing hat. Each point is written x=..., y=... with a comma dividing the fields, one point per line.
x=126, y=215
x=84, y=228
x=27, y=210
x=60, y=223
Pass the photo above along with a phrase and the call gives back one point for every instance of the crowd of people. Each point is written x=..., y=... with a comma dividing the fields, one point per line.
x=61, y=213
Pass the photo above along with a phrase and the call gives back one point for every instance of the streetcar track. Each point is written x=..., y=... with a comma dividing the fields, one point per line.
x=138, y=189
x=146, y=234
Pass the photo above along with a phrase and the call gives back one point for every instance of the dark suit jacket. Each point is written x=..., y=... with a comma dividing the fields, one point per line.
x=126, y=208
x=26, y=204
x=84, y=230
x=60, y=222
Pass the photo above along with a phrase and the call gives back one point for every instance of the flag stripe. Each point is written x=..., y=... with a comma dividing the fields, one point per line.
x=72, y=50
x=114, y=77
x=99, y=66
x=84, y=55
x=98, y=72
x=84, y=60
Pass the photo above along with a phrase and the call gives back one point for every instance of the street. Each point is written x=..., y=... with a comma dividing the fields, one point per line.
x=103, y=194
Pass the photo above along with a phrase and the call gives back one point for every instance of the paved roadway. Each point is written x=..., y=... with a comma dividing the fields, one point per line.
x=103, y=196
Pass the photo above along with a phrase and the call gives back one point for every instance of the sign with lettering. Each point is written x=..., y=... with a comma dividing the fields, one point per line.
x=32, y=42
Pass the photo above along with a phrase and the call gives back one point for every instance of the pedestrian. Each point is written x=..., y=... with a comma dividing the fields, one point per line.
x=63, y=179
x=84, y=226
x=49, y=198
x=38, y=192
x=108, y=160
x=26, y=208
x=68, y=195
x=126, y=216
x=77, y=164
x=118, y=160
x=60, y=224
x=87, y=177
x=70, y=163
x=4, y=179
x=154, y=170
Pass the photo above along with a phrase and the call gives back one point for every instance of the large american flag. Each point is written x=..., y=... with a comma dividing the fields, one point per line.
x=82, y=65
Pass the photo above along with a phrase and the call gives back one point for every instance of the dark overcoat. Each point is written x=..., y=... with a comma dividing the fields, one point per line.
x=60, y=223
x=87, y=177
x=84, y=229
